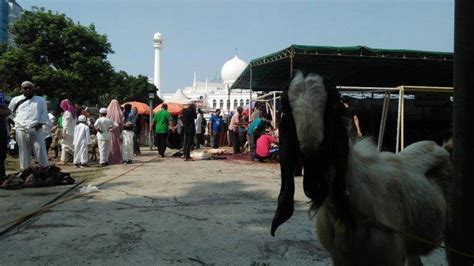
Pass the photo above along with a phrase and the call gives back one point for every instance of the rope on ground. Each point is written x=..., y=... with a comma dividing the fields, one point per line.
x=420, y=239
x=23, y=218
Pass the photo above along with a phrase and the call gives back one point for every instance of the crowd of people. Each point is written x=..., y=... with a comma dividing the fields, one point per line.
x=30, y=129
x=240, y=132
x=73, y=133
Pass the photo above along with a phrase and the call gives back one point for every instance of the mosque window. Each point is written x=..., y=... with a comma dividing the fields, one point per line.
x=214, y=104
x=241, y=102
x=235, y=103
x=228, y=104
x=221, y=103
x=247, y=102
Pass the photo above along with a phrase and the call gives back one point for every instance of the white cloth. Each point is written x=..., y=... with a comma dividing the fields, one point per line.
x=81, y=143
x=104, y=124
x=30, y=113
x=68, y=135
x=31, y=140
x=198, y=122
x=103, y=145
x=127, y=145
x=47, y=129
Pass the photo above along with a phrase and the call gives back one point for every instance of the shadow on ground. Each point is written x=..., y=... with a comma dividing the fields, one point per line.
x=198, y=222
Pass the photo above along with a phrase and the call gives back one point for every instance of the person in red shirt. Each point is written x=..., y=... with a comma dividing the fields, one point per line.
x=264, y=144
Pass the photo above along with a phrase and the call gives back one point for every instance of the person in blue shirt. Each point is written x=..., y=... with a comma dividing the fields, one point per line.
x=215, y=128
x=255, y=130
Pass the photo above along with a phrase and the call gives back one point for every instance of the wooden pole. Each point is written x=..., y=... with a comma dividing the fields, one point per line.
x=460, y=235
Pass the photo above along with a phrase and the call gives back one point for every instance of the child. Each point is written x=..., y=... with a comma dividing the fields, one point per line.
x=81, y=142
x=127, y=142
x=103, y=125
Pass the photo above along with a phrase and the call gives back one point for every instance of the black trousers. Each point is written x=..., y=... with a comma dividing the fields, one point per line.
x=47, y=142
x=188, y=143
x=234, y=138
x=160, y=142
x=198, y=140
x=136, y=143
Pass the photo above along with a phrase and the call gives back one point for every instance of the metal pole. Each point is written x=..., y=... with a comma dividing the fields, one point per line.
x=150, y=132
x=250, y=86
x=383, y=120
x=402, y=121
x=397, y=148
x=274, y=110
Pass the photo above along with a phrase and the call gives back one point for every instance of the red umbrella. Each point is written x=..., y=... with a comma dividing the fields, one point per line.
x=142, y=108
x=173, y=108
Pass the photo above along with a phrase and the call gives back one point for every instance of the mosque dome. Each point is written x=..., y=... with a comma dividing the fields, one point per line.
x=232, y=69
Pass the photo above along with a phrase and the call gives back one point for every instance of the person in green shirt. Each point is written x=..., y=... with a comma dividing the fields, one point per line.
x=161, y=123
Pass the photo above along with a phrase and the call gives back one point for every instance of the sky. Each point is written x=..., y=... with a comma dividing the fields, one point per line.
x=201, y=35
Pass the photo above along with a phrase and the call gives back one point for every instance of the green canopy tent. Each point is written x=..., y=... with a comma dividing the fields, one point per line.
x=349, y=66
x=357, y=68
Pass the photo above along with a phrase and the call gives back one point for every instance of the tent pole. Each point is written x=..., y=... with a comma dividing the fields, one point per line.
x=402, y=121
x=383, y=121
x=250, y=105
x=274, y=110
x=397, y=148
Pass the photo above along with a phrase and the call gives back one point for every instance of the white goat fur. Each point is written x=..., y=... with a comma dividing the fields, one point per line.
x=404, y=191
x=309, y=104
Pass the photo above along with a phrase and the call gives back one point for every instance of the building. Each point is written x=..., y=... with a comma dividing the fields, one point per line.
x=213, y=95
x=10, y=10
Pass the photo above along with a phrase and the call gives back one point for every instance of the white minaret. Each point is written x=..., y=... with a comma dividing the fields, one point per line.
x=157, y=42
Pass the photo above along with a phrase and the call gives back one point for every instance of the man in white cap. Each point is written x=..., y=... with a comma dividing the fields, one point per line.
x=103, y=126
x=81, y=142
x=30, y=114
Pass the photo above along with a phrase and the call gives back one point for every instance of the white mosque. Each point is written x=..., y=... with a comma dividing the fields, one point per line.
x=212, y=95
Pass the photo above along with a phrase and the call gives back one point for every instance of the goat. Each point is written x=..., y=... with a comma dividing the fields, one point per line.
x=354, y=188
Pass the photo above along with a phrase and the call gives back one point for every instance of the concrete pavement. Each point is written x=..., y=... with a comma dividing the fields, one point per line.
x=168, y=211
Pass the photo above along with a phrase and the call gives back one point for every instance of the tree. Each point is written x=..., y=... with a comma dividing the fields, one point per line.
x=125, y=87
x=64, y=59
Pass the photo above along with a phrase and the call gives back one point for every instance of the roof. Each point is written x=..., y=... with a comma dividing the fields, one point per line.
x=349, y=66
x=179, y=97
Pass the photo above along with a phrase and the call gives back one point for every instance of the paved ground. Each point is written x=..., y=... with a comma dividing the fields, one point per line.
x=165, y=211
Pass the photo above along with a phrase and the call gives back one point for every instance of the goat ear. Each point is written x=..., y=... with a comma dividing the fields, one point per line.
x=289, y=153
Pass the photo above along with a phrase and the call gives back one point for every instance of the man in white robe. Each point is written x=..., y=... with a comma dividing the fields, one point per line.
x=81, y=143
x=104, y=126
x=30, y=114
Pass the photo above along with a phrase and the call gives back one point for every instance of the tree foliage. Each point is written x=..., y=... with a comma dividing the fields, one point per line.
x=64, y=59
x=125, y=87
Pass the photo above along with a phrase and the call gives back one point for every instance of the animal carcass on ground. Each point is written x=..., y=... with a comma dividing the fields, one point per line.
x=359, y=195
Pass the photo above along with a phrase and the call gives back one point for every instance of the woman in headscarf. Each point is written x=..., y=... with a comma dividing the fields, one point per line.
x=69, y=122
x=114, y=113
